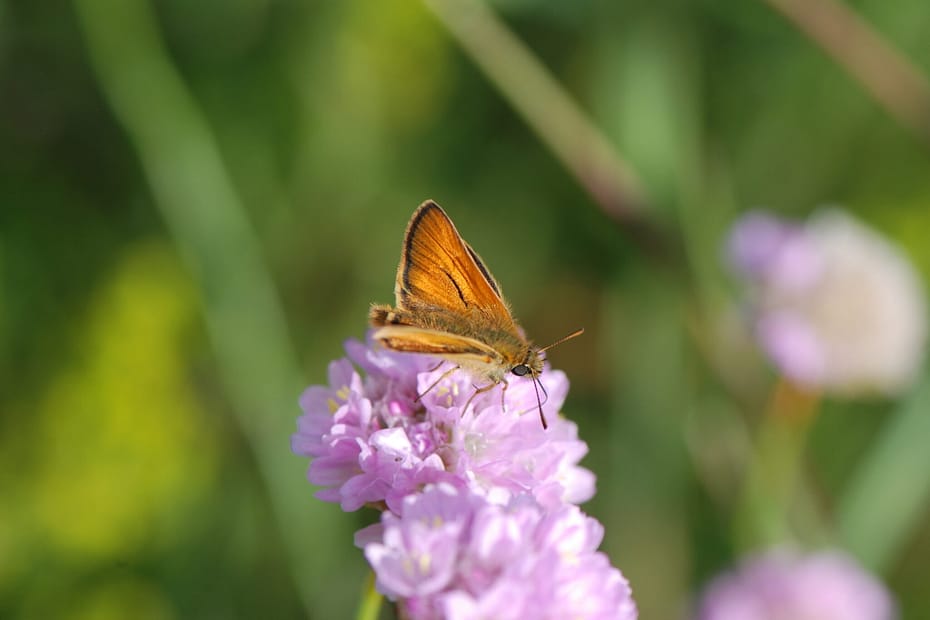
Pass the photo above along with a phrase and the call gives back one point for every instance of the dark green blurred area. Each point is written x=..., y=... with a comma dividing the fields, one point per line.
x=141, y=473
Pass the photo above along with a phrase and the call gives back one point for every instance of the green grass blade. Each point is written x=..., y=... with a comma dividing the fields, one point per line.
x=889, y=494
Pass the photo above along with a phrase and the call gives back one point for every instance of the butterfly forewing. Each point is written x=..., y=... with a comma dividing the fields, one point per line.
x=438, y=269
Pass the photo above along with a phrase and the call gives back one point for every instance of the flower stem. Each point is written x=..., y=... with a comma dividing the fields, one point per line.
x=772, y=478
x=370, y=605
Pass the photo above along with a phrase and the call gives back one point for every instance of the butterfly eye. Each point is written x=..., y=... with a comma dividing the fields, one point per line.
x=521, y=370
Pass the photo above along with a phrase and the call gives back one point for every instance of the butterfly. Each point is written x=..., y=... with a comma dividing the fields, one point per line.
x=449, y=305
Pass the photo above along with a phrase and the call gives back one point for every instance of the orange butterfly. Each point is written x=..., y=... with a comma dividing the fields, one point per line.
x=449, y=305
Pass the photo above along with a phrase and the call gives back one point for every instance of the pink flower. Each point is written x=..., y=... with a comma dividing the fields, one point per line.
x=834, y=305
x=451, y=553
x=784, y=584
x=372, y=442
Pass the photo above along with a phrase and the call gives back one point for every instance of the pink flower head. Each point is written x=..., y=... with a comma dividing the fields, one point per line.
x=834, y=305
x=453, y=554
x=784, y=584
x=372, y=441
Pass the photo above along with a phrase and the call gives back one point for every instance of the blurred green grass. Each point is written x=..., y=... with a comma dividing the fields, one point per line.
x=144, y=435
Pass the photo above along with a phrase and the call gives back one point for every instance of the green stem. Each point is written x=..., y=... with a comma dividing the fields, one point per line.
x=890, y=492
x=245, y=321
x=370, y=605
x=545, y=106
x=772, y=481
x=883, y=71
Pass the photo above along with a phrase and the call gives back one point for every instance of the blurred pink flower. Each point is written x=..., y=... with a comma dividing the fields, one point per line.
x=785, y=585
x=835, y=306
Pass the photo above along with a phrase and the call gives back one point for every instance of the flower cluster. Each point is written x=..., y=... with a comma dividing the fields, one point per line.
x=479, y=517
x=828, y=585
x=452, y=554
x=373, y=441
x=834, y=305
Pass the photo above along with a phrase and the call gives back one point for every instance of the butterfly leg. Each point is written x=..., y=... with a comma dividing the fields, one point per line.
x=436, y=382
x=480, y=390
x=503, y=392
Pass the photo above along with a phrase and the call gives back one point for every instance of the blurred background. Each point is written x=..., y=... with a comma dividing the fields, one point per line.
x=201, y=199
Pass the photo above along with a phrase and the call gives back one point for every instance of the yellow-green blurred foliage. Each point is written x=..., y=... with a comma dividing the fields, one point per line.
x=114, y=599
x=121, y=448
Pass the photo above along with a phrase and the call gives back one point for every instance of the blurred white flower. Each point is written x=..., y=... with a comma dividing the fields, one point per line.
x=834, y=305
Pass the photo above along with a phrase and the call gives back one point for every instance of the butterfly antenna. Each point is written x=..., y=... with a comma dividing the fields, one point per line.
x=539, y=402
x=574, y=334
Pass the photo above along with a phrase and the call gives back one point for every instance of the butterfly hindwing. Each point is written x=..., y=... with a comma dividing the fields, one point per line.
x=433, y=342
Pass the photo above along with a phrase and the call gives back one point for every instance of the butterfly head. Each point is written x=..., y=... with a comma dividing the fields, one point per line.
x=532, y=365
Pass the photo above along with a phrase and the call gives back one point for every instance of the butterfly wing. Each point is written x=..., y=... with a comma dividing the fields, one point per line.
x=461, y=349
x=439, y=270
